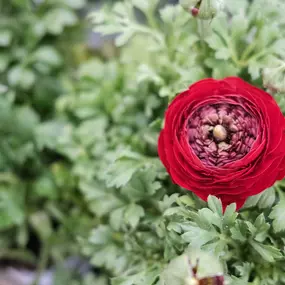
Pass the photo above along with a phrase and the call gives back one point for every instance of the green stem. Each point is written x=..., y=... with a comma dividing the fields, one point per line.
x=248, y=50
x=152, y=20
x=42, y=262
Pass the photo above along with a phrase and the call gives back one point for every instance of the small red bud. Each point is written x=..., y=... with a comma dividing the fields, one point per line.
x=194, y=11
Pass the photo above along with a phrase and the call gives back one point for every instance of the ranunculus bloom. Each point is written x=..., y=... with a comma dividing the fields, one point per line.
x=224, y=138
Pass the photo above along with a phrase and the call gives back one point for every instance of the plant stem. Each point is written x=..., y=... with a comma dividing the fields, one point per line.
x=42, y=262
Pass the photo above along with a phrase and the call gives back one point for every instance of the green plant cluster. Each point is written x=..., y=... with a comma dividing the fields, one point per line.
x=82, y=170
x=144, y=220
x=41, y=212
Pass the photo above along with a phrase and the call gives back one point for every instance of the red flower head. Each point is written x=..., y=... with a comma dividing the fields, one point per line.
x=224, y=138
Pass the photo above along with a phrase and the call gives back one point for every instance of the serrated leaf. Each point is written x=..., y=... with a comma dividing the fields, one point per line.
x=117, y=218
x=101, y=235
x=262, y=227
x=124, y=37
x=223, y=53
x=167, y=202
x=239, y=231
x=206, y=218
x=215, y=42
x=221, y=68
x=187, y=200
x=133, y=214
x=267, y=252
x=173, y=211
x=177, y=272
x=215, y=204
x=220, y=25
x=59, y=18
x=230, y=215
x=278, y=216
x=198, y=237
x=47, y=134
x=142, y=185
x=147, y=74
x=267, y=198
x=105, y=204
x=122, y=170
x=239, y=26
x=48, y=55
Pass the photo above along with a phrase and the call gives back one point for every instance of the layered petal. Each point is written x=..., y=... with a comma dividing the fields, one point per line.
x=224, y=138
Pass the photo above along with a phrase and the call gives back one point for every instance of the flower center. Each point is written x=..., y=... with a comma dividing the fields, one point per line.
x=221, y=133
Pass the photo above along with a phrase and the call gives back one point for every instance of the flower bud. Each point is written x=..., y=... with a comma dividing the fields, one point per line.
x=274, y=77
x=202, y=9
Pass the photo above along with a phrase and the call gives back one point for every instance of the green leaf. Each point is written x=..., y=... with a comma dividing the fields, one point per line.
x=254, y=69
x=5, y=38
x=145, y=6
x=21, y=77
x=25, y=127
x=239, y=232
x=230, y=215
x=133, y=214
x=121, y=171
x=126, y=280
x=5, y=59
x=174, y=211
x=47, y=134
x=206, y=218
x=267, y=198
x=244, y=271
x=45, y=187
x=221, y=27
x=198, y=237
x=215, y=205
x=142, y=185
x=177, y=272
x=101, y=235
x=59, y=18
x=221, y=68
x=105, y=204
x=41, y=223
x=75, y=4
x=147, y=74
x=101, y=201
x=117, y=218
x=262, y=227
x=168, y=13
x=167, y=202
x=239, y=26
x=251, y=201
x=267, y=252
x=216, y=43
x=187, y=200
x=123, y=38
x=11, y=206
x=48, y=55
x=278, y=216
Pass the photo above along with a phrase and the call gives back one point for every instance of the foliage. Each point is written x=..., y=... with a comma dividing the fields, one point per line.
x=145, y=220
x=41, y=212
x=84, y=164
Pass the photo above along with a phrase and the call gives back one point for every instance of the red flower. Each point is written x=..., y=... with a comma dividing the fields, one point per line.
x=224, y=138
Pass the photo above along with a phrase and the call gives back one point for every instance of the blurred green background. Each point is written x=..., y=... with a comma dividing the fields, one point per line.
x=83, y=195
